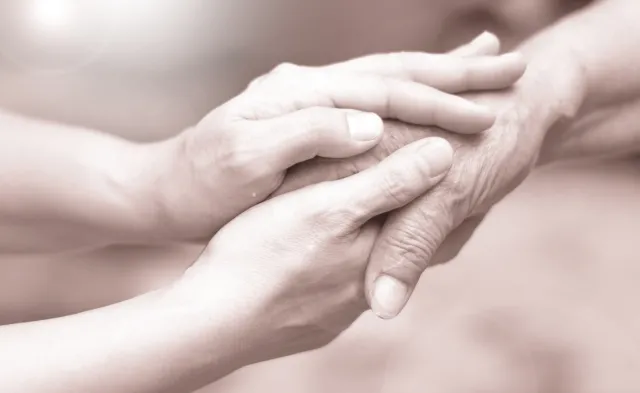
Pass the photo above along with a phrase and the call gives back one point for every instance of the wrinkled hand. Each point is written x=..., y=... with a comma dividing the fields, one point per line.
x=238, y=155
x=291, y=268
x=433, y=228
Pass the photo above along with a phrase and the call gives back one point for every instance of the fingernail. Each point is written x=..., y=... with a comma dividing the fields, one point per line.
x=389, y=297
x=364, y=126
x=486, y=116
x=439, y=156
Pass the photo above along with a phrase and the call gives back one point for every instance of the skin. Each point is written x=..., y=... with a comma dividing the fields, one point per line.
x=188, y=187
x=240, y=305
x=568, y=111
x=531, y=122
x=236, y=305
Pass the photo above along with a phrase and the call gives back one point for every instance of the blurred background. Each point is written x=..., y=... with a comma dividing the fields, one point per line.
x=542, y=300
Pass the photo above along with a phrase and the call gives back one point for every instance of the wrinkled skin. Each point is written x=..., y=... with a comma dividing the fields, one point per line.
x=486, y=168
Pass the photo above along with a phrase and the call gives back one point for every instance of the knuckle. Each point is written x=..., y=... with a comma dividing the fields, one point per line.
x=236, y=158
x=286, y=69
x=388, y=86
x=283, y=75
x=393, y=187
x=317, y=119
x=455, y=194
x=331, y=217
x=413, y=246
x=337, y=218
x=257, y=82
x=465, y=79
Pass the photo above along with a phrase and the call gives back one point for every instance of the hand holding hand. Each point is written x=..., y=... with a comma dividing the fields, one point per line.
x=434, y=227
x=239, y=154
x=291, y=269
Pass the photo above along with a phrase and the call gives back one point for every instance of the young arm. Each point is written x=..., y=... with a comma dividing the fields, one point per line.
x=164, y=341
x=62, y=185
x=236, y=305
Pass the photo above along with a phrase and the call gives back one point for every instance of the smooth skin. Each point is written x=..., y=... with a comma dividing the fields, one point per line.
x=283, y=277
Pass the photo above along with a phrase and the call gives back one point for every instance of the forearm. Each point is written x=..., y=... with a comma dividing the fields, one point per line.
x=582, y=81
x=167, y=341
x=600, y=42
x=606, y=133
x=65, y=187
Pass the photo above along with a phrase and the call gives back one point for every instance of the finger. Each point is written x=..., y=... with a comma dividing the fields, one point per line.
x=402, y=177
x=362, y=246
x=302, y=135
x=474, y=66
x=449, y=73
x=486, y=44
x=323, y=170
x=311, y=172
x=405, y=247
x=393, y=98
x=353, y=303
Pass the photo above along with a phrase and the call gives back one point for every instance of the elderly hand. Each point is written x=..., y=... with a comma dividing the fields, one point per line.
x=433, y=228
x=291, y=268
x=238, y=155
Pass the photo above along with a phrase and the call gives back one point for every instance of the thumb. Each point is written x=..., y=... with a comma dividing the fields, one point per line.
x=405, y=248
x=290, y=139
x=402, y=177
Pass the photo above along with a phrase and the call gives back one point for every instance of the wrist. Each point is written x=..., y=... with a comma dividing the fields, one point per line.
x=228, y=314
x=164, y=191
x=136, y=176
x=554, y=92
x=174, y=198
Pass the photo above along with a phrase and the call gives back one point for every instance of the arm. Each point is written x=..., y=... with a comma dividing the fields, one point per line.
x=65, y=185
x=596, y=51
x=164, y=341
x=602, y=41
x=575, y=72
x=583, y=64
x=236, y=305
x=65, y=188
x=608, y=132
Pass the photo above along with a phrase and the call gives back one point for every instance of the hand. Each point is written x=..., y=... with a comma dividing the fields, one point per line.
x=292, y=267
x=434, y=228
x=238, y=155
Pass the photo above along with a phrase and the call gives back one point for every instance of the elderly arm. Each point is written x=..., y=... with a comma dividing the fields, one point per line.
x=576, y=69
x=602, y=45
x=584, y=63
